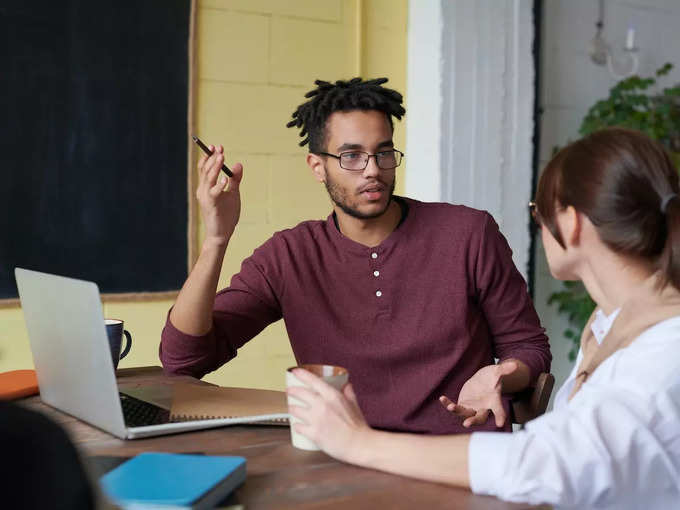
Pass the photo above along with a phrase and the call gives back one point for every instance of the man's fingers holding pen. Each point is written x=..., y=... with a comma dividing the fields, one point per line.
x=212, y=181
x=221, y=181
x=235, y=181
x=211, y=174
x=204, y=162
x=218, y=187
x=214, y=165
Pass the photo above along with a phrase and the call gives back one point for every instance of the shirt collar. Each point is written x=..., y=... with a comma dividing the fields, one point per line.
x=602, y=324
x=405, y=224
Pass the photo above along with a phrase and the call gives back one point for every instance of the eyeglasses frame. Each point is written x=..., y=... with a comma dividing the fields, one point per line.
x=535, y=215
x=368, y=159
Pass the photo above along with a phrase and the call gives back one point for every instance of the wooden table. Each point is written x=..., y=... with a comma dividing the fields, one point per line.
x=279, y=476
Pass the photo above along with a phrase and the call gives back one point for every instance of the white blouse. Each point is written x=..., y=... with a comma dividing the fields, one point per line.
x=600, y=327
x=616, y=444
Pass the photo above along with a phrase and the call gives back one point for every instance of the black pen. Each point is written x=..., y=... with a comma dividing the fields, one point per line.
x=207, y=151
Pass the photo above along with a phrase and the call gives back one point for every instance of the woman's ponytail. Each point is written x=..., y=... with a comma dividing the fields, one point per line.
x=670, y=257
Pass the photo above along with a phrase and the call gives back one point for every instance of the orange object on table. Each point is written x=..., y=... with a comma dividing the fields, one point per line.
x=17, y=384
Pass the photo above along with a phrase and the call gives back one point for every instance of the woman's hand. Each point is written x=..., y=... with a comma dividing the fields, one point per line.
x=332, y=419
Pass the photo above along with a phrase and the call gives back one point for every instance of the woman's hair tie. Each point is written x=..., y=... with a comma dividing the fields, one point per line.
x=665, y=200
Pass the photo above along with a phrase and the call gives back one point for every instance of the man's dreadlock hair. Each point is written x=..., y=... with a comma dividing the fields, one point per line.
x=343, y=96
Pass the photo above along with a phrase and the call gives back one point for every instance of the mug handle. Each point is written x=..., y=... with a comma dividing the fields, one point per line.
x=128, y=344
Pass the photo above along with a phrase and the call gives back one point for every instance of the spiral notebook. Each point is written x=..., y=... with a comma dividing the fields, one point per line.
x=201, y=402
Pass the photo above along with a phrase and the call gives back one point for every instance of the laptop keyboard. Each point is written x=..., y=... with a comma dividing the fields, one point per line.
x=138, y=413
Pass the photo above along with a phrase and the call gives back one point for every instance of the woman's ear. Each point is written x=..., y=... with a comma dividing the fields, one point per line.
x=316, y=163
x=571, y=224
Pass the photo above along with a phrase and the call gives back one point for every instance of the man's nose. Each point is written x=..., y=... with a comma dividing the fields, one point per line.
x=372, y=169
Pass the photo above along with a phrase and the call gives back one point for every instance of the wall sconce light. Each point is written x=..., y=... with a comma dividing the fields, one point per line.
x=621, y=63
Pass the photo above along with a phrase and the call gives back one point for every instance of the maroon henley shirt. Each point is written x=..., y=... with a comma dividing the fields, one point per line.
x=411, y=319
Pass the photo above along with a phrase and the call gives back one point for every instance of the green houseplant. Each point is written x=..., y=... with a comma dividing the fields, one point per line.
x=635, y=103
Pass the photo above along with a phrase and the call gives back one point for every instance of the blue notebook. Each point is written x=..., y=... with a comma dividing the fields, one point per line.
x=173, y=480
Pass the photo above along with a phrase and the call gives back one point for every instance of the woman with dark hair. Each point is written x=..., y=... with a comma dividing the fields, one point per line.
x=610, y=215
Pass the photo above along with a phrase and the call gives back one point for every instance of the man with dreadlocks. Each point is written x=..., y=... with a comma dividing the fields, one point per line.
x=414, y=299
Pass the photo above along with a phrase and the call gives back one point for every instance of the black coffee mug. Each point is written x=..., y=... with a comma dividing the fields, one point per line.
x=115, y=332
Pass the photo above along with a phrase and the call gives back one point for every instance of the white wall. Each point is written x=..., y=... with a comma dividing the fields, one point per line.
x=470, y=120
x=424, y=85
x=571, y=83
x=488, y=124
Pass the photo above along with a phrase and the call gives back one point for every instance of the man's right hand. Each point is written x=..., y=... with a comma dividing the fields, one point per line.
x=220, y=209
x=219, y=200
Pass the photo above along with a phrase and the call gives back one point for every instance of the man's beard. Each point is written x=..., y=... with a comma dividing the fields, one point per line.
x=339, y=197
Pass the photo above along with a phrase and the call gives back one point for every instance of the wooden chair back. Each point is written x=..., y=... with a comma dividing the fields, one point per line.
x=533, y=402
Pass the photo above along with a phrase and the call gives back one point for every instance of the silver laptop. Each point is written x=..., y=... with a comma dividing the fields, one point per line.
x=66, y=330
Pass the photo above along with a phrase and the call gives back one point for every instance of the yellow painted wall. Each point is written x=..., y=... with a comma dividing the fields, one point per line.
x=255, y=61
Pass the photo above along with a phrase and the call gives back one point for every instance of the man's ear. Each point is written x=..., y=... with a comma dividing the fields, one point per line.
x=572, y=225
x=316, y=163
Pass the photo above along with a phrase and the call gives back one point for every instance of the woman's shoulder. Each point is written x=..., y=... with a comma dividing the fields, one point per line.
x=666, y=330
x=662, y=336
x=652, y=362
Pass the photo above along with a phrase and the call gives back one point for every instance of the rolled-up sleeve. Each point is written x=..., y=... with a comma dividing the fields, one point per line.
x=183, y=354
x=241, y=311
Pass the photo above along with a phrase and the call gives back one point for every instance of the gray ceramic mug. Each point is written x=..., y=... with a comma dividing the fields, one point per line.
x=115, y=332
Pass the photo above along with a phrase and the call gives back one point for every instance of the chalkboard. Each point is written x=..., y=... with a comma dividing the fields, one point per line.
x=94, y=98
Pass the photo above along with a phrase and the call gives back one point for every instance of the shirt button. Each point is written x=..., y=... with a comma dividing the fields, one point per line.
x=378, y=293
x=374, y=255
x=376, y=273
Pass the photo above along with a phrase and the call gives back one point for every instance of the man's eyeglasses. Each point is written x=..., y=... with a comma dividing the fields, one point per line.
x=535, y=215
x=357, y=161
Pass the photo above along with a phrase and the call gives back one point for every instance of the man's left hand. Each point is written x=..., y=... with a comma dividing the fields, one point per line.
x=481, y=394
